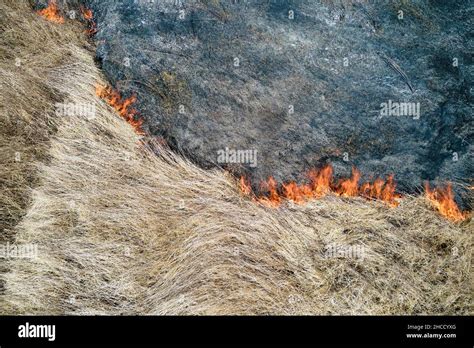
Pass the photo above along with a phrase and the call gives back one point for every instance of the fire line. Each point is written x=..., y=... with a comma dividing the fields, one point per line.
x=321, y=183
x=51, y=13
x=122, y=106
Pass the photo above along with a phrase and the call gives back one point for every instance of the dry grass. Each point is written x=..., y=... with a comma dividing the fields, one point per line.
x=30, y=50
x=121, y=230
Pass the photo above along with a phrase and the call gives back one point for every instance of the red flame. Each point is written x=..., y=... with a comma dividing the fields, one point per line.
x=273, y=199
x=245, y=186
x=297, y=193
x=321, y=180
x=320, y=185
x=349, y=187
x=443, y=200
x=51, y=13
x=122, y=106
x=89, y=17
x=381, y=190
x=86, y=13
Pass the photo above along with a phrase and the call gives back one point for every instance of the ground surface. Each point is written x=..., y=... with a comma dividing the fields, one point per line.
x=333, y=63
x=122, y=230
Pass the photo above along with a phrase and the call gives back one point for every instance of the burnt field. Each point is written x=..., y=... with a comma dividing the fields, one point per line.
x=235, y=158
x=384, y=87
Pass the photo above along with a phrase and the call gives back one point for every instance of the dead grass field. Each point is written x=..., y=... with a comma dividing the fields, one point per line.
x=121, y=230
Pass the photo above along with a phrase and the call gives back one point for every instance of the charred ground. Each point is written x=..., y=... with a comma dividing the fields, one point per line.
x=217, y=74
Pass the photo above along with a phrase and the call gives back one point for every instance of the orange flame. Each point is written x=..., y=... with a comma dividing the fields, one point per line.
x=443, y=200
x=122, y=106
x=86, y=13
x=381, y=190
x=297, y=193
x=320, y=185
x=273, y=199
x=321, y=180
x=245, y=186
x=51, y=13
x=349, y=187
x=89, y=17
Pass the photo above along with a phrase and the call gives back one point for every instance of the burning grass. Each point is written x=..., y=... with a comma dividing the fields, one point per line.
x=322, y=183
x=89, y=18
x=124, y=226
x=443, y=200
x=51, y=13
x=123, y=106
